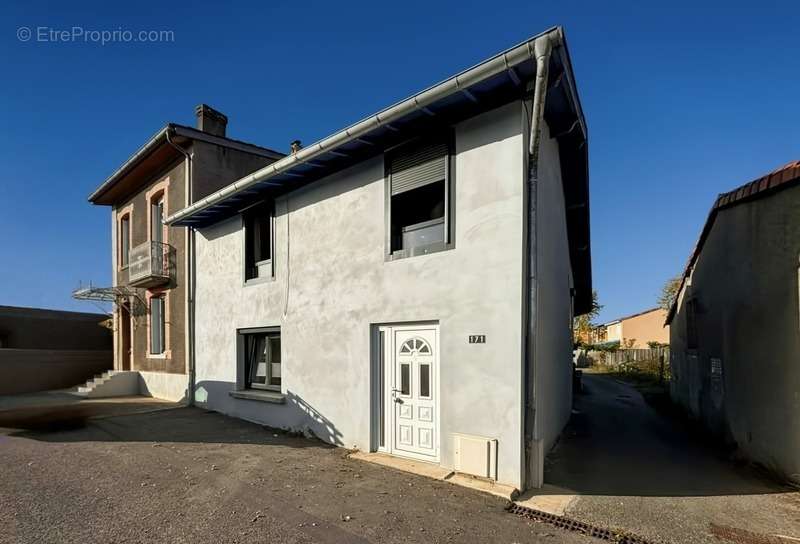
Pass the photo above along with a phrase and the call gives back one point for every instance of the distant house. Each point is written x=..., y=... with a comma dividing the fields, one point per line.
x=151, y=275
x=636, y=330
x=735, y=331
x=406, y=284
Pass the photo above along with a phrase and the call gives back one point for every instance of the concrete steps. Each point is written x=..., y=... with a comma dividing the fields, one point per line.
x=113, y=383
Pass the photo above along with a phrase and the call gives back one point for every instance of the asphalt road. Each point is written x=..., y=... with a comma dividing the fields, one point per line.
x=186, y=475
x=640, y=471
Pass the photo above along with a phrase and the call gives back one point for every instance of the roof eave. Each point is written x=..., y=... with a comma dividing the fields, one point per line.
x=460, y=82
x=128, y=165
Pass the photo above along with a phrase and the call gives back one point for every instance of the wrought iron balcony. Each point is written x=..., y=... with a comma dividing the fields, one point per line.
x=151, y=264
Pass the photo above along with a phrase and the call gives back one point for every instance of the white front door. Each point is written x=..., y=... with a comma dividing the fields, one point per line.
x=412, y=372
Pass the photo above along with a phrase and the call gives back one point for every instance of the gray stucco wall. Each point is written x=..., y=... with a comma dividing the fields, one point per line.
x=745, y=284
x=332, y=284
x=553, y=350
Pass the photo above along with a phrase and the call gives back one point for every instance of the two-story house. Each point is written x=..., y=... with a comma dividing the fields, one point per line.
x=407, y=284
x=151, y=273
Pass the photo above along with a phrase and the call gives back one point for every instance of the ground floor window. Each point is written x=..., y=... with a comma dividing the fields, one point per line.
x=260, y=358
x=158, y=323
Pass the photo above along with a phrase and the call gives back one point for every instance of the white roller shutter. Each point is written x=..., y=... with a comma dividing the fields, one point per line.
x=418, y=167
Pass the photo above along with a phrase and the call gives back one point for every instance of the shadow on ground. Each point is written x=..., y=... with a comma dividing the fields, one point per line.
x=617, y=444
x=104, y=422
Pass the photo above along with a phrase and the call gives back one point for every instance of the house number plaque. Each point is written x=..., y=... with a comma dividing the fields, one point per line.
x=477, y=338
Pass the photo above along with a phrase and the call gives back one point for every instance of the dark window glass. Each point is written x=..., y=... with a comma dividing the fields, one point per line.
x=157, y=218
x=124, y=240
x=405, y=379
x=418, y=216
x=424, y=380
x=157, y=325
x=258, y=240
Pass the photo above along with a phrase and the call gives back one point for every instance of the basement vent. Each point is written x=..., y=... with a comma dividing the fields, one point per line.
x=476, y=455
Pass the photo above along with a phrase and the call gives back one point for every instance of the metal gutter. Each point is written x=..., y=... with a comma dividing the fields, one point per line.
x=462, y=81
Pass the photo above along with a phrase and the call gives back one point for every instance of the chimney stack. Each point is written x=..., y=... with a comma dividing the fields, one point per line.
x=210, y=120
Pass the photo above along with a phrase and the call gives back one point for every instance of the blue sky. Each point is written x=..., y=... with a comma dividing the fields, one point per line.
x=682, y=100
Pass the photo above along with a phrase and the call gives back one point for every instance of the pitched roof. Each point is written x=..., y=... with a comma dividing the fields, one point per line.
x=159, y=141
x=637, y=314
x=782, y=178
x=498, y=80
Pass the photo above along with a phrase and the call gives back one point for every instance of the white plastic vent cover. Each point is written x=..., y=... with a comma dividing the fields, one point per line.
x=476, y=455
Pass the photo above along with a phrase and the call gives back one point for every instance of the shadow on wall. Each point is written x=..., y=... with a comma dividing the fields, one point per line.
x=295, y=415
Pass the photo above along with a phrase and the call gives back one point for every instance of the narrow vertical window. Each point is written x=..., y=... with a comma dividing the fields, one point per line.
x=124, y=240
x=157, y=325
x=157, y=220
x=425, y=380
x=258, y=241
x=381, y=389
x=405, y=379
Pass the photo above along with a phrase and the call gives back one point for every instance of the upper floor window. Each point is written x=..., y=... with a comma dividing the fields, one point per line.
x=124, y=240
x=157, y=218
x=258, y=241
x=420, y=189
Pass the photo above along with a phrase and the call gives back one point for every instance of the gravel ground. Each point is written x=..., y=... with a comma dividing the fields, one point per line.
x=643, y=472
x=186, y=475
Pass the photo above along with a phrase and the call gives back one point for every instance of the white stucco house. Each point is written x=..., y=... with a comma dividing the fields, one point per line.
x=407, y=284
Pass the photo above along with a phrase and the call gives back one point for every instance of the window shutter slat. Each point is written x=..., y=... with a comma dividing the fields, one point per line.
x=418, y=168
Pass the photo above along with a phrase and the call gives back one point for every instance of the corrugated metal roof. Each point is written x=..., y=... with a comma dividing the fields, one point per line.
x=778, y=179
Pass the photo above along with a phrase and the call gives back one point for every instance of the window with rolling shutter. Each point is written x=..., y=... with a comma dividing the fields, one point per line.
x=419, y=189
x=418, y=167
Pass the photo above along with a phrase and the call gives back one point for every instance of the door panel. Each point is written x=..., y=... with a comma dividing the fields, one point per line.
x=413, y=392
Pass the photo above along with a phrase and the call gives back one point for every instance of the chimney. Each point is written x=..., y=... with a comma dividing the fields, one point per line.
x=210, y=120
x=295, y=146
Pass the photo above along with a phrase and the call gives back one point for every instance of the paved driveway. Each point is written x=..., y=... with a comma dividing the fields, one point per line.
x=635, y=469
x=185, y=475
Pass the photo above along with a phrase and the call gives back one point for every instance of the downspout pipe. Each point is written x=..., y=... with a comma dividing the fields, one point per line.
x=190, y=269
x=543, y=47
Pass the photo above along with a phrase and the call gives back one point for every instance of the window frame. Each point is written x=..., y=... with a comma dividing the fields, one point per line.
x=448, y=137
x=157, y=201
x=246, y=214
x=243, y=372
x=162, y=323
x=124, y=241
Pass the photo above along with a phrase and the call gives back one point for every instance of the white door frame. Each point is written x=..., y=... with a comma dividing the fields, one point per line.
x=384, y=372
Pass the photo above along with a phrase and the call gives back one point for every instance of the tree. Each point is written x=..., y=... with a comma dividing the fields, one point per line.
x=583, y=325
x=669, y=292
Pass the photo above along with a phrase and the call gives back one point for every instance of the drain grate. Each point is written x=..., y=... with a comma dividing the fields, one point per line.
x=576, y=526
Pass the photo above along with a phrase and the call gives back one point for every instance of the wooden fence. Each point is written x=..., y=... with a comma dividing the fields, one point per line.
x=632, y=356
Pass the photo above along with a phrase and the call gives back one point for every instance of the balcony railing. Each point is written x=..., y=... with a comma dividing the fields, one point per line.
x=151, y=264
